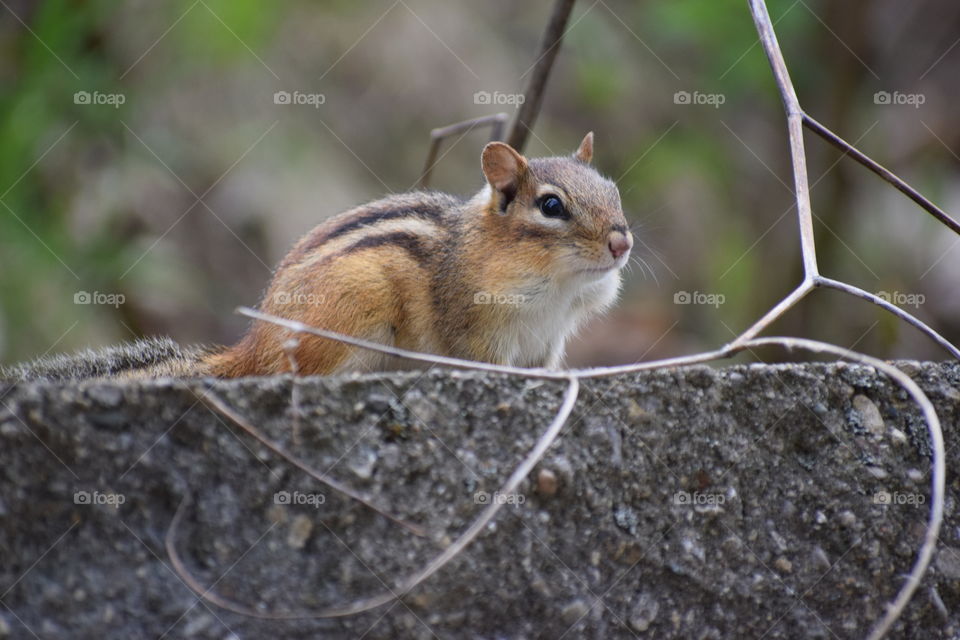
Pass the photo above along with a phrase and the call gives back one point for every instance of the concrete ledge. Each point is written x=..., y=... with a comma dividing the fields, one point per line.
x=691, y=503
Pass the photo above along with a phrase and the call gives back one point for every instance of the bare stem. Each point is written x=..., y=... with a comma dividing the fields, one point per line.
x=215, y=403
x=496, y=123
x=446, y=361
x=776, y=312
x=408, y=584
x=892, y=308
x=533, y=92
x=881, y=171
x=768, y=38
x=938, y=478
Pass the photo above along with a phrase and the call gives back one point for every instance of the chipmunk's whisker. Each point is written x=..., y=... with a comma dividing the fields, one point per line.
x=644, y=267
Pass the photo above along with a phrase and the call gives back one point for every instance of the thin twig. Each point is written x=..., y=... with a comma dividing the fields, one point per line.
x=777, y=311
x=411, y=582
x=895, y=609
x=591, y=372
x=211, y=596
x=795, y=126
x=821, y=281
x=215, y=403
x=495, y=122
x=533, y=93
x=418, y=356
x=881, y=171
x=458, y=363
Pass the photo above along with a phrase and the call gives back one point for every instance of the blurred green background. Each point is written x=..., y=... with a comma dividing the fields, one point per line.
x=144, y=161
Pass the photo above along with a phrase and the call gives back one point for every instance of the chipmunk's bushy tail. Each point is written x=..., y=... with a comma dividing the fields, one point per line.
x=144, y=358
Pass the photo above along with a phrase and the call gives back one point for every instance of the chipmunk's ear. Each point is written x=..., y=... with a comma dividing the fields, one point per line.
x=505, y=169
x=584, y=152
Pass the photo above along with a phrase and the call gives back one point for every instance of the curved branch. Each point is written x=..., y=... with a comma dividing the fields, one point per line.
x=768, y=38
x=215, y=403
x=533, y=92
x=892, y=308
x=589, y=372
x=409, y=583
x=458, y=363
x=397, y=352
x=776, y=312
x=437, y=136
x=881, y=171
x=895, y=609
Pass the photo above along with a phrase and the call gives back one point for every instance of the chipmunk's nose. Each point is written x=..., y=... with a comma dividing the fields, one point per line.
x=619, y=243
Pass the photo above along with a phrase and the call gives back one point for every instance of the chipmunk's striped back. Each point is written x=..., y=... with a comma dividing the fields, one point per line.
x=411, y=220
x=354, y=273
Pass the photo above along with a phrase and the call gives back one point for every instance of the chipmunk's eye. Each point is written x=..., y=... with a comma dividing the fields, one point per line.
x=551, y=207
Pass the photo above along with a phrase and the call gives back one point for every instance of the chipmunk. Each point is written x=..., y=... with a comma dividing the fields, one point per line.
x=503, y=277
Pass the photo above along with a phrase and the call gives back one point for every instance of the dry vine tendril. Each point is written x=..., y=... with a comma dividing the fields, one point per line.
x=796, y=120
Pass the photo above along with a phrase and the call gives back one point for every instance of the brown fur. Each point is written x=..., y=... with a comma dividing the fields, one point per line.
x=409, y=270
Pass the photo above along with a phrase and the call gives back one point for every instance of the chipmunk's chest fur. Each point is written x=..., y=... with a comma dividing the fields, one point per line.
x=544, y=315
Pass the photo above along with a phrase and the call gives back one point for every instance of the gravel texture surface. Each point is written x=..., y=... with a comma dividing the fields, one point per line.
x=756, y=501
